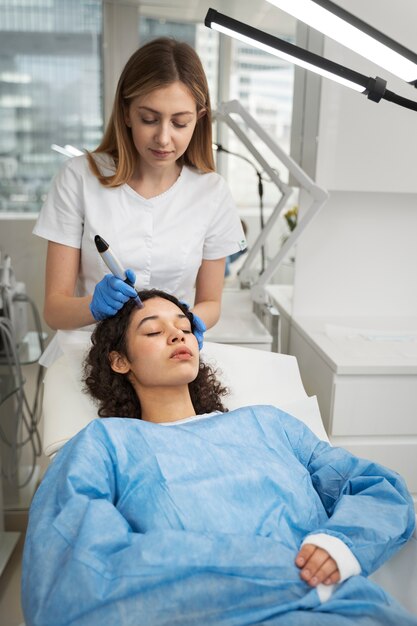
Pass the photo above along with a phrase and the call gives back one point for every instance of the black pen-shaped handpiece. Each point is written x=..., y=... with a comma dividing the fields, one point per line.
x=114, y=264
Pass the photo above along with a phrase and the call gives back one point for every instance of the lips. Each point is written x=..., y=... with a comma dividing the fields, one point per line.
x=181, y=354
x=160, y=153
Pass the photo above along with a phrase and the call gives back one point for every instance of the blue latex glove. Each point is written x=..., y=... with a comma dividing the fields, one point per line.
x=110, y=294
x=199, y=330
x=199, y=327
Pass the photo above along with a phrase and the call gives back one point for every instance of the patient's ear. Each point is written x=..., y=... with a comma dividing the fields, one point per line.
x=119, y=363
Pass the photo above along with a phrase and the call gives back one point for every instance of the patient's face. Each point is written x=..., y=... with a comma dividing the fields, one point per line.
x=162, y=351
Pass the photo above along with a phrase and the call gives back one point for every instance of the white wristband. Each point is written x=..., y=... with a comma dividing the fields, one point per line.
x=346, y=561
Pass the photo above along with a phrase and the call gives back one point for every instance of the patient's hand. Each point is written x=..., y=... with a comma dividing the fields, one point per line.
x=317, y=566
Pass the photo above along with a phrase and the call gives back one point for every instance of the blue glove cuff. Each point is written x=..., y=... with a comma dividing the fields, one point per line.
x=96, y=314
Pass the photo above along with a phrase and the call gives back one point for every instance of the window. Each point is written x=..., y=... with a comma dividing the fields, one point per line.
x=263, y=84
x=50, y=92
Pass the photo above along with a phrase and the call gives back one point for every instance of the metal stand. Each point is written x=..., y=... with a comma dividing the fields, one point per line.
x=318, y=195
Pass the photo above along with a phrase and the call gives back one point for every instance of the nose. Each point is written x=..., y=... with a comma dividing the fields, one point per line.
x=162, y=135
x=177, y=335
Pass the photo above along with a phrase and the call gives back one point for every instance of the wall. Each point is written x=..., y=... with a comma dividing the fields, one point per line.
x=358, y=257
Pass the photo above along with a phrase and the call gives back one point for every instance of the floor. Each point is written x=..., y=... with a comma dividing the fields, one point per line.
x=16, y=520
x=10, y=608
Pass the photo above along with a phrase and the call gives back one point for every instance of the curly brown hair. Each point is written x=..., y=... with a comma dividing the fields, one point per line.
x=113, y=392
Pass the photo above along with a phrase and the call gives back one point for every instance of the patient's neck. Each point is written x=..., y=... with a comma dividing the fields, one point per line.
x=166, y=404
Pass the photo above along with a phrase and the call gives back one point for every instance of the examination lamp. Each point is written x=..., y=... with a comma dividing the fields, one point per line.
x=334, y=22
x=374, y=88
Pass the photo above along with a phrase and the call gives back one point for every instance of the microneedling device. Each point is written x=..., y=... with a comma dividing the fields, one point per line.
x=114, y=264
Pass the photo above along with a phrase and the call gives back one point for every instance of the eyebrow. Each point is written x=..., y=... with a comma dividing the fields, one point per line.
x=157, y=317
x=158, y=112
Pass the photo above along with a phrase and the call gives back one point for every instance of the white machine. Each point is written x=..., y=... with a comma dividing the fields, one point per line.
x=253, y=377
x=12, y=301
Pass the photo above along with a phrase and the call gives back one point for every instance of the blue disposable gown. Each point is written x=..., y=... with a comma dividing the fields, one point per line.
x=139, y=524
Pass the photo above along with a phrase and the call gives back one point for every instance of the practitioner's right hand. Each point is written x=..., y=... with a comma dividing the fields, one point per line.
x=110, y=294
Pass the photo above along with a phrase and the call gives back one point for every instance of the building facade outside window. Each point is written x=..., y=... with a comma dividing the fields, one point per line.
x=263, y=84
x=50, y=92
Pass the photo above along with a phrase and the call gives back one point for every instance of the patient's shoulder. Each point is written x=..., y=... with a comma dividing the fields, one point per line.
x=266, y=415
x=100, y=433
x=262, y=411
x=109, y=427
x=276, y=420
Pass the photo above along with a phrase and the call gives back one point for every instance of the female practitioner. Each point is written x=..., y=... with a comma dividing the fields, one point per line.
x=150, y=191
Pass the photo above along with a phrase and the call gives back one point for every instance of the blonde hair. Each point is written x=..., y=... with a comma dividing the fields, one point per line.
x=157, y=64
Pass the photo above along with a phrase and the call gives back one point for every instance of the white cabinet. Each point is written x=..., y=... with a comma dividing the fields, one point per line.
x=364, y=373
x=366, y=390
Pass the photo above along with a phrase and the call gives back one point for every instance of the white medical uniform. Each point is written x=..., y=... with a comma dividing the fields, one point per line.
x=163, y=239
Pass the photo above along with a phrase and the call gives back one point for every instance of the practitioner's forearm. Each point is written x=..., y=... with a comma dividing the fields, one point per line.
x=67, y=312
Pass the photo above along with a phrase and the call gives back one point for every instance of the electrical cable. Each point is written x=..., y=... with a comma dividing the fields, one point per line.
x=25, y=425
x=397, y=99
x=8, y=343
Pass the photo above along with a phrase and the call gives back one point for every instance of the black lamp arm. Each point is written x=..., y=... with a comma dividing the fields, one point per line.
x=373, y=88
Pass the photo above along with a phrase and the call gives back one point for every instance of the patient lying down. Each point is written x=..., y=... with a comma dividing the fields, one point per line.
x=181, y=513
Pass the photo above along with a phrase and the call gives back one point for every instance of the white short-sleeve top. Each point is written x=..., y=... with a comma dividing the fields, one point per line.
x=163, y=239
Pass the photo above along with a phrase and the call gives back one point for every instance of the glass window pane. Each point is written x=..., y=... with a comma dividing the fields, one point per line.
x=50, y=92
x=263, y=84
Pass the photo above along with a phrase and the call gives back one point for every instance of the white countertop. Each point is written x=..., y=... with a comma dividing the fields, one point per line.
x=238, y=323
x=282, y=296
x=357, y=345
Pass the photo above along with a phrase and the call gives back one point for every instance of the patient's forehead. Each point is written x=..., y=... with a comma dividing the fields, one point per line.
x=156, y=307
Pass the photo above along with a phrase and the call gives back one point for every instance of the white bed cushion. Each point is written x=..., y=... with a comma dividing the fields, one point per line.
x=253, y=377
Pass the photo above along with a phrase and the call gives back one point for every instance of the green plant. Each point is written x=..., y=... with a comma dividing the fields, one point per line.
x=291, y=217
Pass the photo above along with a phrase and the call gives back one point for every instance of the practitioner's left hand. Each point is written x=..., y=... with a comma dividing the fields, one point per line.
x=317, y=566
x=199, y=327
x=199, y=330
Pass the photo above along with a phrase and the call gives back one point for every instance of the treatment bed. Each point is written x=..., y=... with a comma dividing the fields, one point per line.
x=253, y=377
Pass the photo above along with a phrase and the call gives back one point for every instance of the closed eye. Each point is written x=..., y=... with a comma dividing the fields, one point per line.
x=149, y=122
x=186, y=331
